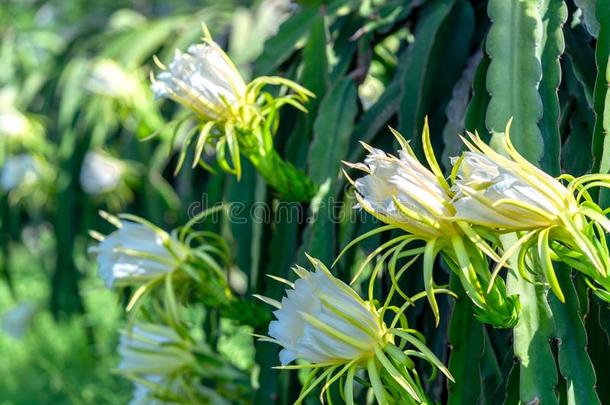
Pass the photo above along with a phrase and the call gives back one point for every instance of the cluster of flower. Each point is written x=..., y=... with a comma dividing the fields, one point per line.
x=160, y=355
x=321, y=320
x=492, y=194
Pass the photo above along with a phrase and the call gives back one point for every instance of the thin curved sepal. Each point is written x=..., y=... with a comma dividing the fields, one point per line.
x=546, y=264
x=429, y=257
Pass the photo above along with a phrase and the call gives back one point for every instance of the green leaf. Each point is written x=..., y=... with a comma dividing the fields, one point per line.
x=582, y=56
x=444, y=32
x=576, y=155
x=314, y=77
x=332, y=131
x=532, y=334
x=466, y=340
x=279, y=47
x=554, y=14
x=477, y=108
x=602, y=52
x=574, y=361
x=514, y=44
x=457, y=109
x=242, y=194
x=374, y=119
x=491, y=372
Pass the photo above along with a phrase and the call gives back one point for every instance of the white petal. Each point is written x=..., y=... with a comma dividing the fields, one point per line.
x=320, y=296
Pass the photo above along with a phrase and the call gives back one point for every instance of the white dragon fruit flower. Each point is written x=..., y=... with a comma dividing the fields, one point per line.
x=136, y=253
x=322, y=320
x=499, y=192
x=204, y=79
x=402, y=192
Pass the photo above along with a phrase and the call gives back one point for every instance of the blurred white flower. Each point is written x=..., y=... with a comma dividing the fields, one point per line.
x=204, y=79
x=108, y=78
x=13, y=124
x=136, y=253
x=19, y=170
x=323, y=320
x=100, y=174
x=17, y=320
x=403, y=192
x=498, y=192
x=151, y=349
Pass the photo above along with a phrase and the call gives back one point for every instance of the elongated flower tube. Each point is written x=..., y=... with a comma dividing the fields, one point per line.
x=406, y=195
x=233, y=115
x=324, y=322
x=553, y=221
x=142, y=255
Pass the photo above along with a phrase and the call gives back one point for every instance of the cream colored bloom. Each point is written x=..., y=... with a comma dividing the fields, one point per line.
x=323, y=320
x=402, y=192
x=19, y=170
x=507, y=192
x=325, y=323
x=136, y=253
x=108, y=78
x=100, y=173
x=204, y=79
